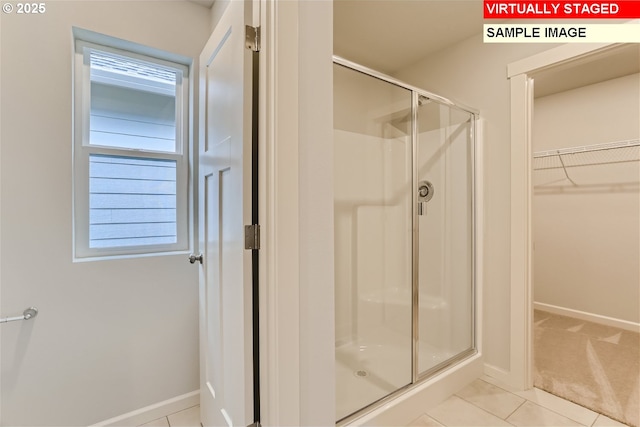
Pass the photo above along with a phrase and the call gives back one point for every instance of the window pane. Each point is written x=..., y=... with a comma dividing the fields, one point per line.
x=133, y=104
x=132, y=201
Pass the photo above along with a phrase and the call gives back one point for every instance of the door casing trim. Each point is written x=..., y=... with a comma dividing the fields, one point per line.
x=521, y=76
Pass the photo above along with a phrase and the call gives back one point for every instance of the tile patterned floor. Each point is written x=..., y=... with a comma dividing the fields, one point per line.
x=486, y=402
x=188, y=418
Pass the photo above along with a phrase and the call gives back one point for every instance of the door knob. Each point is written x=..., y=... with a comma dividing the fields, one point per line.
x=193, y=258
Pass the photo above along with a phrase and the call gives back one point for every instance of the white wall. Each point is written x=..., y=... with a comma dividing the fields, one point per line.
x=475, y=74
x=587, y=237
x=218, y=8
x=111, y=336
x=315, y=163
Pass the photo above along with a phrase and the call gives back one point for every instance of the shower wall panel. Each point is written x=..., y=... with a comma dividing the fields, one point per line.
x=371, y=230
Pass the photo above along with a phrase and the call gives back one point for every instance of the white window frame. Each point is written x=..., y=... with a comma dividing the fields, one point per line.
x=82, y=149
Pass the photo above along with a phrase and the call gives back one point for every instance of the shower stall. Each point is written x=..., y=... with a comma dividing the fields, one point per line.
x=404, y=165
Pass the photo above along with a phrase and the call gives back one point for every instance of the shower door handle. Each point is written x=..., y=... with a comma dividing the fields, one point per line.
x=422, y=209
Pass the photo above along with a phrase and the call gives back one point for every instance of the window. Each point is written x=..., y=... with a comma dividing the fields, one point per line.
x=130, y=153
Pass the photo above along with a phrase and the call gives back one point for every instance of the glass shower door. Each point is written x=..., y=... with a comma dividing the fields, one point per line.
x=443, y=248
x=373, y=232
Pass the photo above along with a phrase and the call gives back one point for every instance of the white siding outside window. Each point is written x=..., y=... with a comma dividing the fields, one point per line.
x=132, y=201
x=130, y=160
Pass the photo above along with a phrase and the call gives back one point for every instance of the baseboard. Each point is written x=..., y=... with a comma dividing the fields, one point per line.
x=153, y=412
x=590, y=317
x=497, y=373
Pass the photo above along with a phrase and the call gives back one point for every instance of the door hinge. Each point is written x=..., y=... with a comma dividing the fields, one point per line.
x=252, y=236
x=252, y=38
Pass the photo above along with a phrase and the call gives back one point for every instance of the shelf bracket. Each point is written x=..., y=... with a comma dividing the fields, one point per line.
x=564, y=168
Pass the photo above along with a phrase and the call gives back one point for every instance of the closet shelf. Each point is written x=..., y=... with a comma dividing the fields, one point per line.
x=588, y=155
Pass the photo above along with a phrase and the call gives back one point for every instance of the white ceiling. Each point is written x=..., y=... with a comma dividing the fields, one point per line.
x=613, y=63
x=388, y=35
x=205, y=3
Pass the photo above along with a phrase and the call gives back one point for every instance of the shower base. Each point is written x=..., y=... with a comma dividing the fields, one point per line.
x=367, y=370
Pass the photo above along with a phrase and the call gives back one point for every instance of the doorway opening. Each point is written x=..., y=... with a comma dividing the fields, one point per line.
x=575, y=135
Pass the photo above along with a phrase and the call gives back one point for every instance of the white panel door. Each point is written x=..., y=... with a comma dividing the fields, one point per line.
x=226, y=378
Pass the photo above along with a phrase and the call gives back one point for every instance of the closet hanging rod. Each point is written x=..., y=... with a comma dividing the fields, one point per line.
x=588, y=148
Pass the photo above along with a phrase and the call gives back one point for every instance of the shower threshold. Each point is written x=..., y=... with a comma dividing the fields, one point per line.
x=372, y=387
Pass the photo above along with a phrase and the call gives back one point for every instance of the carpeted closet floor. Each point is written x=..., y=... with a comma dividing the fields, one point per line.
x=593, y=365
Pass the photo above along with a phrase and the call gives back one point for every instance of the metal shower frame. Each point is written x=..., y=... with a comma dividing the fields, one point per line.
x=416, y=93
